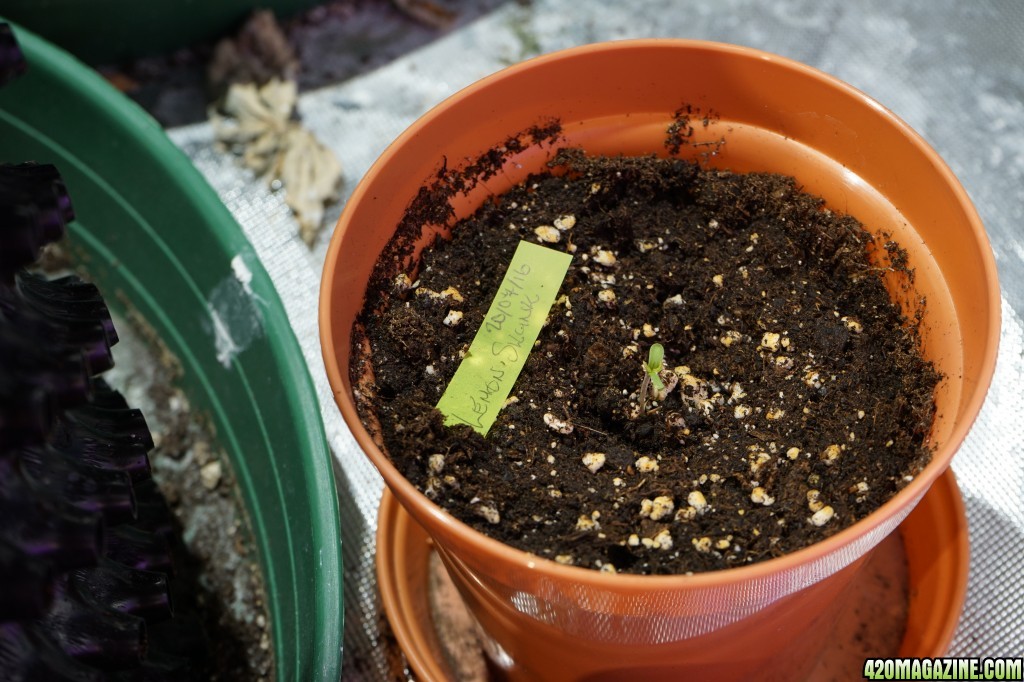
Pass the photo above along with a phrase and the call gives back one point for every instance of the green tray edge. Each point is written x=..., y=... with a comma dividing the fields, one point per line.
x=131, y=122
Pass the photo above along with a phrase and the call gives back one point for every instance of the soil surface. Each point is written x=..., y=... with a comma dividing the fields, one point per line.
x=797, y=401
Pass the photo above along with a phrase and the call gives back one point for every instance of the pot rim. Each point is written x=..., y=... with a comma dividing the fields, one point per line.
x=410, y=497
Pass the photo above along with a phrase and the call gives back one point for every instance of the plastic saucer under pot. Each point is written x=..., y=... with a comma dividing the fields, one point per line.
x=907, y=598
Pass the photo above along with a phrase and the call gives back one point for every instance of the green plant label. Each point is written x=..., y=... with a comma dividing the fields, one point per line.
x=499, y=350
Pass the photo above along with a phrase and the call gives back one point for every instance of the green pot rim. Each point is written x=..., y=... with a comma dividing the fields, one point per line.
x=299, y=654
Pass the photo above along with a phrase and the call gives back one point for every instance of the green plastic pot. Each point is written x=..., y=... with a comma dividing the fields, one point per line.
x=106, y=31
x=152, y=232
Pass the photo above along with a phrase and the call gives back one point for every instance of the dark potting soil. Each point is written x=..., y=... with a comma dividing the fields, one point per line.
x=798, y=400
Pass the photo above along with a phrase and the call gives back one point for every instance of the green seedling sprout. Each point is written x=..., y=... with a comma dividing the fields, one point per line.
x=653, y=366
x=655, y=358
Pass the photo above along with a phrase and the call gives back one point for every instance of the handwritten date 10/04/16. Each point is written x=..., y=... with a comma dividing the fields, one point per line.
x=507, y=351
x=508, y=322
x=506, y=312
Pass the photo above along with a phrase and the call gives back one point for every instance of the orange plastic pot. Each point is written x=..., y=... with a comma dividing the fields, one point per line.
x=765, y=621
x=933, y=545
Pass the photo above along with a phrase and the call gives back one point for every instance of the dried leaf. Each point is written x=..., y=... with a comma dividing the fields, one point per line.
x=257, y=124
x=260, y=52
x=428, y=12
